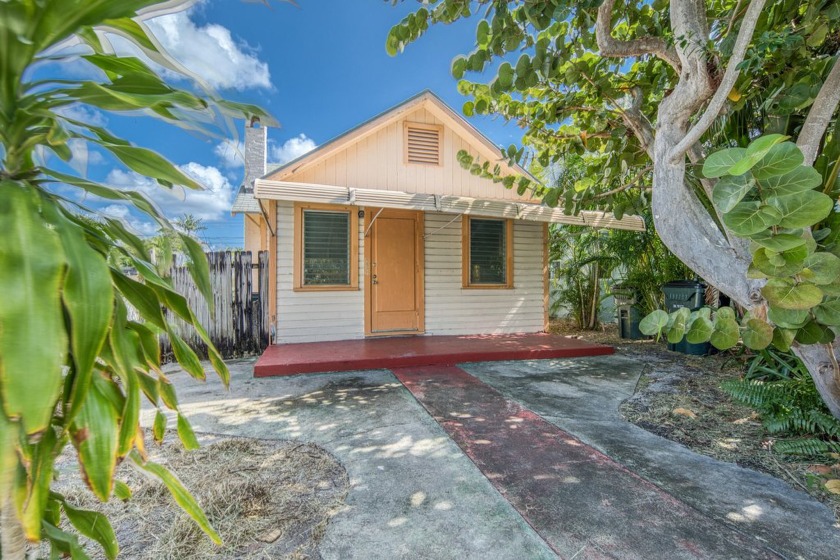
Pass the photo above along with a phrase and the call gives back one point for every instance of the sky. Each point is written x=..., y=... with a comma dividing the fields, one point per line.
x=319, y=67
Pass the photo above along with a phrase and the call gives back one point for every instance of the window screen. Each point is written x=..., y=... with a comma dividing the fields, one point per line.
x=326, y=248
x=488, y=252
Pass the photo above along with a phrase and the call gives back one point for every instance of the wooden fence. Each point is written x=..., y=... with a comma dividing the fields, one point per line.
x=239, y=326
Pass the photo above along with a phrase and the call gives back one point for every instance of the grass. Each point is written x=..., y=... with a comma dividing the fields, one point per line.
x=267, y=499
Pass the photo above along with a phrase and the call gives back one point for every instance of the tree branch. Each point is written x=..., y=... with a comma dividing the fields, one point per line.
x=727, y=83
x=615, y=48
x=820, y=114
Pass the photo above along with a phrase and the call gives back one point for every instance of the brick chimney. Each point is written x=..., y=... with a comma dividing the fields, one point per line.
x=256, y=137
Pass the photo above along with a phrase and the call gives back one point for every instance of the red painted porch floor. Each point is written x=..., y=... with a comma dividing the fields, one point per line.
x=418, y=351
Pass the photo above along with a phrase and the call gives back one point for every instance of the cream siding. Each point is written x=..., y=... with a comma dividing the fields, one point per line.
x=453, y=310
x=313, y=316
x=377, y=161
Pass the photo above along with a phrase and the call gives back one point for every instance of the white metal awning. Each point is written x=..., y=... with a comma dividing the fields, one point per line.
x=328, y=194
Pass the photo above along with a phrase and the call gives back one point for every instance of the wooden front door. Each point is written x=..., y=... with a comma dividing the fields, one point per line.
x=394, y=252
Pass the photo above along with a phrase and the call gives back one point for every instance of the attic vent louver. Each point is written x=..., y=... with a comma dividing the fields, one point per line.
x=422, y=143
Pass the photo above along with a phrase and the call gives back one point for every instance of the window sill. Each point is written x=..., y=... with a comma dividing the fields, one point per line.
x=488, y=287
x=325, y=289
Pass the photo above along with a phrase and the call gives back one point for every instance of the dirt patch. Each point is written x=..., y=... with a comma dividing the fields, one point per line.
x=679, y=398
x=267, y=499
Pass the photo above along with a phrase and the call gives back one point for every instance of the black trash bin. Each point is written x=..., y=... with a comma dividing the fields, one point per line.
x=690, y=294
x=629, y=315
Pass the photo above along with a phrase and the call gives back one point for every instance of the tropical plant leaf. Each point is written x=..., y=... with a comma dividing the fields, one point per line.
x=828, y=312
x=159, y=427
x=780, y=159
x=652, y=324
x=65, y=543
x=789, y=295
x=814, y=333
x=756, y=151
x=94, y=526
x=757, y=334
x=799, y=180
x=181, y=495
x=32, y=488
x=33, y=340
x=199, y=268
x=726, y=333
x=122, y=491
x=719, y=163
x=150, y=164
x=678, y=325
x=788, y=318
x=802, y=209
x=186, y=433
x=822, y=268
x=95, y=432
x=783, y=338
x=700, y=331
x=786, y=263
x=779, y=242
x=730, y=190
x=749, y=218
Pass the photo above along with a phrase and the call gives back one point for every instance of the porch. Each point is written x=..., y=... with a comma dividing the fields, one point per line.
x=417, y=351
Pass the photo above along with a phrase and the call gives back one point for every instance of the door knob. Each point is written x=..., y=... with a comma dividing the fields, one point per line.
x=373, y=279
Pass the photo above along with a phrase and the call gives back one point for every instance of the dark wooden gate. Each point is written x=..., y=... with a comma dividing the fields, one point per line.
x=239, y=325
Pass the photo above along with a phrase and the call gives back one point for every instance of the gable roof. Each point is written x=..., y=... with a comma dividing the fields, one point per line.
x=425, y=99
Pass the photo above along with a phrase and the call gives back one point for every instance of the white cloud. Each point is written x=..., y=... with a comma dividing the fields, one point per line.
x=230, y=154
x=211, y=52
x=212, y=203
x=291, y=149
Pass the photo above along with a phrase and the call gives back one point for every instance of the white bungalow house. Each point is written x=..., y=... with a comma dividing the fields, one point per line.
x=381, y=232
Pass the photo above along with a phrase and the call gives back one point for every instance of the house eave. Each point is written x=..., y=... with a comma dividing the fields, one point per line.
x=446, y=204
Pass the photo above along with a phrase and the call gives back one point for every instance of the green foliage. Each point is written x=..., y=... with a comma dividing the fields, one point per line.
x=780, y=388
x=74, y=366
x=766, y=195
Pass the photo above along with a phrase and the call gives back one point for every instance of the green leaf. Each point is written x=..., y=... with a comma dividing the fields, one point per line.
x=757, y=334
x=726, y=333
x=159, y=428
x=8, y=457
x=782, y=158
x=730, y=190
x=802, y=209
x=88, y=297
x=700, y=331
x=32, y=490
x=756, y=151
x=814, y=333
x=725, y=313
x=181, y=495
x=150, y=164
x=800, y=179
x=141, y=297
x=198, y=267
x=786, y=294
x=786, y=263
x=95, y=432
x=828, y=312
x=185, y=432
x=719, y=163
x=749, y=218
x=788, y=318
x=33, y=340
x=822, y=268
x=459, y=67
x=653, y=323
x=779, y=243
x=65, y=542
x=94, y=526
x=783, y=338
x=185, y=356
x=122, y=491
x=678, y=324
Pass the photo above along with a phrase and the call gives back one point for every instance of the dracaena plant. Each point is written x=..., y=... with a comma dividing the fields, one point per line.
x=74, y=367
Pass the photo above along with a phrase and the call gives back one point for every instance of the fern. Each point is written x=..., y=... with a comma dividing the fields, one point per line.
x=789, y=404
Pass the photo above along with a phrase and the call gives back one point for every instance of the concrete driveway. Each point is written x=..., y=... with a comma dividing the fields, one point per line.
x=518, y=460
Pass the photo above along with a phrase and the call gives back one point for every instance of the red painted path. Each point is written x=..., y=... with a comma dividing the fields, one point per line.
x=414, y=351
x=584, y=504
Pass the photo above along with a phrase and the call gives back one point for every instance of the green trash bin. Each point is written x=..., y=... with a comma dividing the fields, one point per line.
x=629, y=315
x=690, y=294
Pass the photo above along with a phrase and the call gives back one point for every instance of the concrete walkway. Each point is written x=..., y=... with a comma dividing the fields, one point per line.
x=415, y=494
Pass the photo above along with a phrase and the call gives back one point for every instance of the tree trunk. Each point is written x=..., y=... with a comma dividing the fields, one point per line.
x=12, y=541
